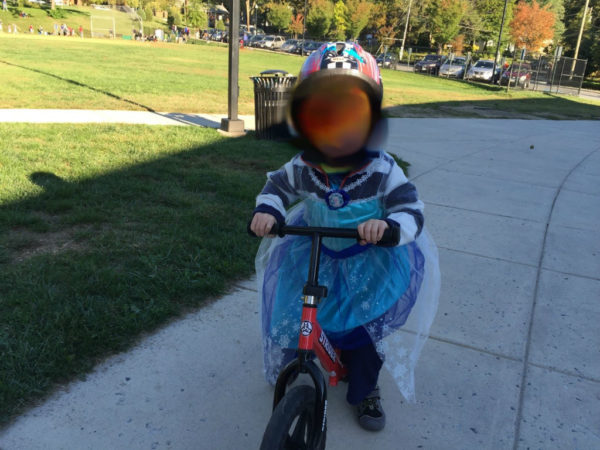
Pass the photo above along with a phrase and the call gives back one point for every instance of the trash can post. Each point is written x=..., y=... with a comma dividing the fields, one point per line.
x=232, y=124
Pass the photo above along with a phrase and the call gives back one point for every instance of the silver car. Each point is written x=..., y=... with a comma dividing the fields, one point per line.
x=453, y=68
x=272, y=42
x=482, y=71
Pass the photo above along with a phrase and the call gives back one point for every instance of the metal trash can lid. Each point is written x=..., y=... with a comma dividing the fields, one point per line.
x=274, y=73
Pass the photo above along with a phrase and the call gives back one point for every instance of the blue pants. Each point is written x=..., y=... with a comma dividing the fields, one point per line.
x=362, y=361
x=363, y=365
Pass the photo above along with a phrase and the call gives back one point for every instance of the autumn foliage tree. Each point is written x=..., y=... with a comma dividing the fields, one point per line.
x=359, y=13
x=532, y=25
x=296, y=25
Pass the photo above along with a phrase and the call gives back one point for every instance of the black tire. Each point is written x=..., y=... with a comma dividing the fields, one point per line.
x=293, y=421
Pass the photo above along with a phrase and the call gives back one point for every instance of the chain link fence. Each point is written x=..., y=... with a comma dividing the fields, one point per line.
x=558, y=75
x=544, y=73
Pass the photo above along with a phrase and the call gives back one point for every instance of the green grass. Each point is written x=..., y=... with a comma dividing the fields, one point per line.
x=58, y=72
x=107, y=231
x=74, y=17
x=163, y=77
x=417, y=95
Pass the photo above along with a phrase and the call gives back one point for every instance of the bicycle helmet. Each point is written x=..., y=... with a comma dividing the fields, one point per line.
x=334, y=65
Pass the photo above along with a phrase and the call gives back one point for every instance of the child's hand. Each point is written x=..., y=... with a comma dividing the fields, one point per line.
x=371, y=231
x=262, y=224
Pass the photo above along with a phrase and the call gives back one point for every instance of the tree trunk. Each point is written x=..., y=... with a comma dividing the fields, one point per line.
x=52, y=4
x=248, y=16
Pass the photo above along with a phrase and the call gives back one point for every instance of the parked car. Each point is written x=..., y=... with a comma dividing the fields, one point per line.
x=311, y=47
x=482, y=71
x=272, y=42
x=250, y=31
x=289, y=45
x=386, y=60
x=453, y=67
x=517, y=74
x=430, y=64
x=219, y=35
x=302, y=44
x=255, y=40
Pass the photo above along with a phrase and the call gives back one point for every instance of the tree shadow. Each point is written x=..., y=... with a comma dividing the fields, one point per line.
x=88, y=264
x=548, y=106
x=80, y=84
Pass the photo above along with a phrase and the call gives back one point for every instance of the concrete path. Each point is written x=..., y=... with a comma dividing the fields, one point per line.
x=116, y=116
x=514, y=357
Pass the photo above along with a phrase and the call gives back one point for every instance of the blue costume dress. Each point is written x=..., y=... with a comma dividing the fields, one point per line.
x=371, y=290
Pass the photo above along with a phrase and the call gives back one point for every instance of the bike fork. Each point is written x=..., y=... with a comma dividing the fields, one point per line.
x=303, y=365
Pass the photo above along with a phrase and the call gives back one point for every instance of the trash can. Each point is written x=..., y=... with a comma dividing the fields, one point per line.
x=272, y=91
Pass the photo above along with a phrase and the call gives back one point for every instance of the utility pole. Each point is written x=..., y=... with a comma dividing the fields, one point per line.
x=585, y=8
x=232, y=124
x=303, y=30
x=405, y=29
x=499, y=41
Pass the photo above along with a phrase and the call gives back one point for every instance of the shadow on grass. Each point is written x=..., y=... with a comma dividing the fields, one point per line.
x=89, y=264
x=548, y=106
x=80, y=84
x=69, y=10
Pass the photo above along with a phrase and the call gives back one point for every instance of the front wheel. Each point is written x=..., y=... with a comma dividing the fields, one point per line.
x=292, y=424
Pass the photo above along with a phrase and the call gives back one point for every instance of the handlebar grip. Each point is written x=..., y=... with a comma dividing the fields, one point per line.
x=390, y=238
x=274, y=230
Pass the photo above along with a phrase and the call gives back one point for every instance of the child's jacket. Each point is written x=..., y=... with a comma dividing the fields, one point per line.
x=369, y=287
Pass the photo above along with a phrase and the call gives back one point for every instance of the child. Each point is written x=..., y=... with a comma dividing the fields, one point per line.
x=343, y=180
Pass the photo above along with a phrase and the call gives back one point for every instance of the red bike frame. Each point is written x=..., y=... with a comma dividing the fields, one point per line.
x=313, y=338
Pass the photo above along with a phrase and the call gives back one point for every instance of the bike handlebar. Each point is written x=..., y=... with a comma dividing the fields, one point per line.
x=391, y=236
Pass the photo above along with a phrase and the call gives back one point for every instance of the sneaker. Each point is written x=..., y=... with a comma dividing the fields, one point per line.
x=370, y=413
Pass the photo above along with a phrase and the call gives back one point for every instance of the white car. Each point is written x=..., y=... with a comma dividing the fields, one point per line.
x=482, y=71
x=454, y=68
x=272, y=42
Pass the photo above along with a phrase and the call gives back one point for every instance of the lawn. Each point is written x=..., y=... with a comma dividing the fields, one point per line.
x=107, y=231
x=74, y=17
x=58, y=72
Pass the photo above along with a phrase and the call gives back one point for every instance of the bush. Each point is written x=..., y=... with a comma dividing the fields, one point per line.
x=149, y=13
x=27, y=4
x=174, y=17
x=57, y=13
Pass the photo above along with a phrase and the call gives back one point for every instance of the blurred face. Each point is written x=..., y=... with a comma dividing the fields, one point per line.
x=336, y=118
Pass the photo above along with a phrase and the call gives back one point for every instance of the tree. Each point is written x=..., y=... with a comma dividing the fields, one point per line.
x=296, y=26
x=531, y=25
x=279, y=15
x=558, y=8
x=197, y=17
x=445, y=17
x=490, y=13
x=148, y=12
x=174, y=17
x=471, y=26
x=358, y=16
x=340, y=11
x=589, y=46
x=251, y=7
x=387, y=18
x=319, y=17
